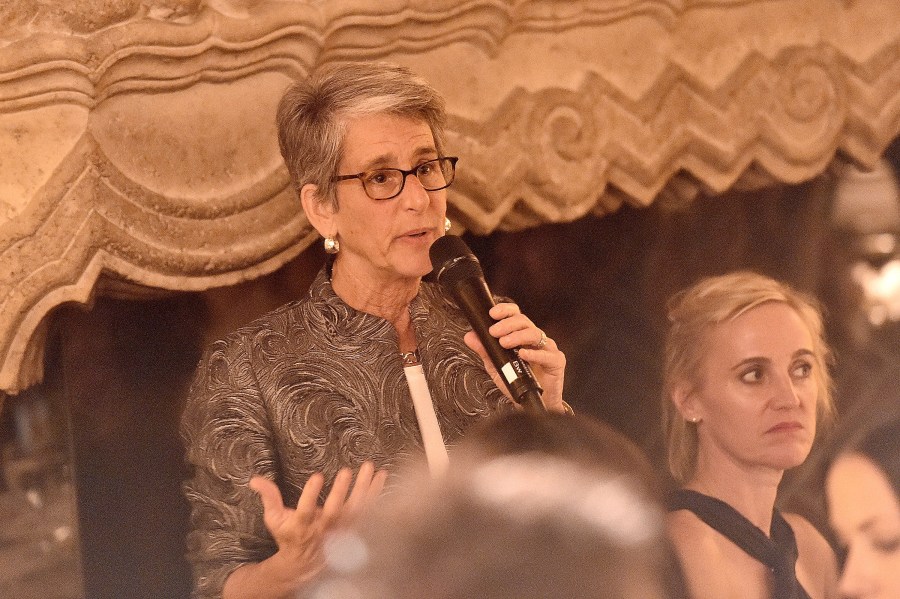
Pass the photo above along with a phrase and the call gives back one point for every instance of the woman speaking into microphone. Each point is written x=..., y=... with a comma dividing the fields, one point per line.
x=372, y=368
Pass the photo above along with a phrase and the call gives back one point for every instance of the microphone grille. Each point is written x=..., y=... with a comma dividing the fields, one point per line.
x=452, y=260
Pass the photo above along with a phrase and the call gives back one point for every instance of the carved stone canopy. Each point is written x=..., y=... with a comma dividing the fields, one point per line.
x=137, y=142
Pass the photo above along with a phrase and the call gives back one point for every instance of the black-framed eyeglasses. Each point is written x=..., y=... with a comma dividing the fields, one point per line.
x=387, y=183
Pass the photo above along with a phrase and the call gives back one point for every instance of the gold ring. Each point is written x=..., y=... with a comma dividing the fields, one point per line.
x=543, y=342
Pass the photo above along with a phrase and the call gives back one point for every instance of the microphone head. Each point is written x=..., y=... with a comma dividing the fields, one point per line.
x=452, y=260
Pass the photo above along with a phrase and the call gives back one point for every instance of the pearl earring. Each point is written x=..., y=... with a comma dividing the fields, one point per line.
x=447, y=224
x=332, y=245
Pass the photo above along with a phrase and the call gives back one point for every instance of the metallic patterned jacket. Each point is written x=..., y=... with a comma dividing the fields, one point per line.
x=312, y=387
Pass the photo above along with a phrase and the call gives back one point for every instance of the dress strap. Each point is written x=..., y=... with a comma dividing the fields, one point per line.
x=778, y=553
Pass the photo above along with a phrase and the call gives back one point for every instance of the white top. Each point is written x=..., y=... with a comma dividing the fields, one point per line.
x=435, y=450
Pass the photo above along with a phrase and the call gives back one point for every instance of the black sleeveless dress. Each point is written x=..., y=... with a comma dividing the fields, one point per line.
x=778, y=553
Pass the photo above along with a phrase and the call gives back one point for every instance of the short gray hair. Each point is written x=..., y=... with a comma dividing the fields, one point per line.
x=313, y=113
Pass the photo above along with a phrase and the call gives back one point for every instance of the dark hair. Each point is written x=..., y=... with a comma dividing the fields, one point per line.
x=881, y=445
x=580, y=438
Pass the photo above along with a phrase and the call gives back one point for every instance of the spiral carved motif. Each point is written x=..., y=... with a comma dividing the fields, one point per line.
x=809, y=104
x=566, y=143
x=808, y=91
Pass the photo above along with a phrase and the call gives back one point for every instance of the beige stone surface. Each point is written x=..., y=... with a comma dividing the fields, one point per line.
x=137, y=142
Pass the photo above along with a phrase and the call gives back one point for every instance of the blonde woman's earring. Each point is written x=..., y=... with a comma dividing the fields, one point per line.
x=332, y=245
x=447, y=224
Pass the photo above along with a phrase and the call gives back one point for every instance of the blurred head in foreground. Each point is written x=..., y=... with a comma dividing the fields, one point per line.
x=579, y=438
x=512, y=521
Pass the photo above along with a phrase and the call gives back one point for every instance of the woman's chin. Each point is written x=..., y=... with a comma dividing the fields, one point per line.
x=412, y=269
x=785, y=460
x=415, y=264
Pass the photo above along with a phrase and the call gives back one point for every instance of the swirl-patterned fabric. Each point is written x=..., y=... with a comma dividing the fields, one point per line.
x=312, y=387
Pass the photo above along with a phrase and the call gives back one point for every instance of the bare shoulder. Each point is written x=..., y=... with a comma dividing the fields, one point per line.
x=695, y=549
x=816, y=564
x=713, y=566
x=810, y=541
x=691, y=535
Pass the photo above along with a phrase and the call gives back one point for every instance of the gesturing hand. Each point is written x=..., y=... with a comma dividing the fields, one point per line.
x=299, y=532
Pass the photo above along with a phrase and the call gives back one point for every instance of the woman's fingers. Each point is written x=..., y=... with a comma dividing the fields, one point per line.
x=300, y=530
x=367, y=487
x=514, y=329
x=360, y=487
x=549, y=366
x=504, y=310
x=331, y=510
x=471, y=339
x=377, y=485
x=269, y=494
x=548, y=355
x=281, y=520
x=309, y=497
x=509, y=320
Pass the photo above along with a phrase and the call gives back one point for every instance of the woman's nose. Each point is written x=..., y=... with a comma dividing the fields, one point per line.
x=414, y=196
x=856, y=580
x=786, y=392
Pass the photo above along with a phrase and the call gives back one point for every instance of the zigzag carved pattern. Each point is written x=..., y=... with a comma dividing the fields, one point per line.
x=784, y=118
x=43, y=66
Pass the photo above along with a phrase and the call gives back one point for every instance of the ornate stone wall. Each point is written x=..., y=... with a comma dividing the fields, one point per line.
x=138, y=153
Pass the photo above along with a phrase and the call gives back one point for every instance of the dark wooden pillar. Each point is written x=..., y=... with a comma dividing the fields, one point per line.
x=126, y=365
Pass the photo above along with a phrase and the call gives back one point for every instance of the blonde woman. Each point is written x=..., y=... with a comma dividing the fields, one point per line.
x=746, y=382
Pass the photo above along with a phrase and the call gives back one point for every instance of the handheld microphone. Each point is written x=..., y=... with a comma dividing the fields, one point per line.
x=457, y=269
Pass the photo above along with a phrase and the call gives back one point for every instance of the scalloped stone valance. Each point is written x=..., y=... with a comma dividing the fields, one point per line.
x=137, y=138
